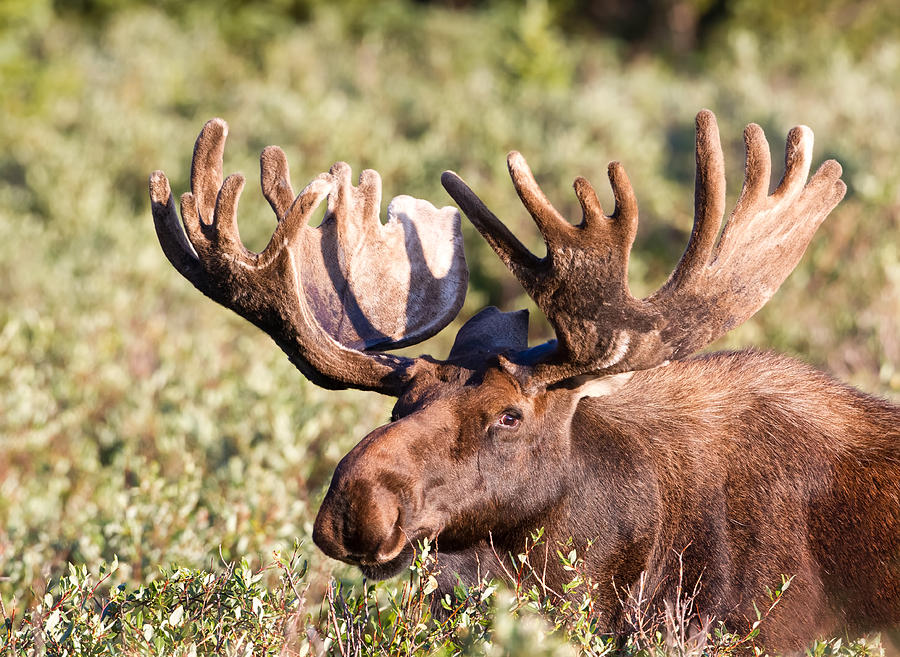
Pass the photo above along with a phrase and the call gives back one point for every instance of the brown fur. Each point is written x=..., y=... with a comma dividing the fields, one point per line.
x=751, y=464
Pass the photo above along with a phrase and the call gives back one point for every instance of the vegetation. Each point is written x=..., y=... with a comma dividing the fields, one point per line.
x=142, y=426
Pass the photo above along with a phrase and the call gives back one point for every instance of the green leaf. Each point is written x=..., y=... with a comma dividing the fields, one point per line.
x=176, y=616
x=52, y=621
x=430, y=586
x=488, y=592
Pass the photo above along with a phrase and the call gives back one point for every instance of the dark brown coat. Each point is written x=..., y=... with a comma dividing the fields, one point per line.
x=752, y=465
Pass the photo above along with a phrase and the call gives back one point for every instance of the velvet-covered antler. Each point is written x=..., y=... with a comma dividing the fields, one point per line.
x=326, y=295
x=581, y=285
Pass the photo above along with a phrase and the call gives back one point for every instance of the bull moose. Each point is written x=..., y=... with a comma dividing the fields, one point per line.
x=742, y=465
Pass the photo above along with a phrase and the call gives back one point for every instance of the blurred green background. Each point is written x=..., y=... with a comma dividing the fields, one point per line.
x=137, y=418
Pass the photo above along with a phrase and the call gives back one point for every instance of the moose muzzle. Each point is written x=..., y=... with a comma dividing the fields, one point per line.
x=368, y=517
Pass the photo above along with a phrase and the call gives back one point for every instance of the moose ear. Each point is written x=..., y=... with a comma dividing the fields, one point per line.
x=491, y=332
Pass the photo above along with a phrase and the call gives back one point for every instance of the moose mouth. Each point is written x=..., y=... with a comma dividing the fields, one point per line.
x=378, y=570
x=391, y=568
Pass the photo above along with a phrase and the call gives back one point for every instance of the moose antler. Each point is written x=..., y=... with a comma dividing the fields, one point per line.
x=581, y=285
x=326, y=295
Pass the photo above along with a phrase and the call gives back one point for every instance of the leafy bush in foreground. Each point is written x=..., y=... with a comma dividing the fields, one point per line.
x=237, y=610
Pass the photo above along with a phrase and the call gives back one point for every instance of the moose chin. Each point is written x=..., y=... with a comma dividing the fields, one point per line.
x=738, y=467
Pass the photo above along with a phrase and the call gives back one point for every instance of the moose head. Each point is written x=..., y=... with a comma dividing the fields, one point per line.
x=611, y=434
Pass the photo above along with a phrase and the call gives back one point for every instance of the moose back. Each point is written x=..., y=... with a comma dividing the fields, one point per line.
x=740, y=467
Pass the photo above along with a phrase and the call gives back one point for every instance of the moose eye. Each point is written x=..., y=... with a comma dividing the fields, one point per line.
x=509, y=419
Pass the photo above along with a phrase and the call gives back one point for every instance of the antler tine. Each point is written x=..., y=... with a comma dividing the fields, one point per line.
x=549, y=221
x=582, y=285
x=757, y=171
x=591, y=210
x=175, y=245
x=709, y=200
x=625, y=214
x=797, y=161
x=511, y=251
x=206, y=167
x=355, y=210
x=370, y=188
x=227, y=236
x=275, y=179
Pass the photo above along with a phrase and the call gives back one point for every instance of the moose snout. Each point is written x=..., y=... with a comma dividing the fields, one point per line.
x=360, y=522
x=373, y=508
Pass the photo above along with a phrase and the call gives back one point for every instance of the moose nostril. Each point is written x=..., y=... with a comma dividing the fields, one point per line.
x=393, y=543
x=375, y=524
x=361, y=523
